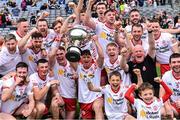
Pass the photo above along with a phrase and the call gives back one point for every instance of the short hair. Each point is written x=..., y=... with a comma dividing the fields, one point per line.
x=112, y=44
x=174, y=55
x=36, y=35
x=101, y=3
x=21, y=20
x=41, y=61
x=21, y=65
x=134, y=10
x=144, y=86
x=86, y=52
x=61, y=48
x=9, y=37
x=154, y=20
x=42, y=20
x=109, y=10
x=137, y=25
x=115, y=73
x=55, y=23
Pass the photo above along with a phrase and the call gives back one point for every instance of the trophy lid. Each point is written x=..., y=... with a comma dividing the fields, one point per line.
x=78, y=34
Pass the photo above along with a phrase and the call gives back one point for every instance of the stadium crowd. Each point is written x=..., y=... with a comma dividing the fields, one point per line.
x=117, y=76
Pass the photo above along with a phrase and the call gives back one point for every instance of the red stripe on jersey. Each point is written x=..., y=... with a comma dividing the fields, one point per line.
x=5, y=87
x=177, y=78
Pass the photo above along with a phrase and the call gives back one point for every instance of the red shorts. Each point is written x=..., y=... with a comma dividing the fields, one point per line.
x=174, y=106
x=87, y=110
x=164, y=68
x=70, y=104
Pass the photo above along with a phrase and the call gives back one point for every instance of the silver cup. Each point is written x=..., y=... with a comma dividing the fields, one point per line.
x=77, y=37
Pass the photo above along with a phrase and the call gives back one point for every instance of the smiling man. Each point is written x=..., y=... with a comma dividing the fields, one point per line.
x=42, y=81
x=146, y=63
x=171, y=78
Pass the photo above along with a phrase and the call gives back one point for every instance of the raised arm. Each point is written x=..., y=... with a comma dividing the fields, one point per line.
x=139, y=77
x=100, y=59
x=128, y=95
x=172, y=31
x=64, y=27
x=88, y=21
x=167, y=90
x=175, y=47
x=123, y=61
x=22, y=43
x=151, y=41
x=77, y=10
x=118, y=39
x=52, y=53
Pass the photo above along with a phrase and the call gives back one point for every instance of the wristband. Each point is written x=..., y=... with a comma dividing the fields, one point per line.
x=48, y=84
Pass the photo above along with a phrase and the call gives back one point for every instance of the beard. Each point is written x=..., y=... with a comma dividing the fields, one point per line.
x=23, y=81
x=176, y=69
x=42, y=30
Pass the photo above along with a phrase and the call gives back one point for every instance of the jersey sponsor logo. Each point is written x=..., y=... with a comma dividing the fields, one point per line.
x=164, y=47
x=111, y=69
x=30, y=58
x=142, y=113
x=119, y=101
x=107, y=36
x=61, y=72
x=176, y=92
x=65, y=73
x=149, y=115
x=152, y=115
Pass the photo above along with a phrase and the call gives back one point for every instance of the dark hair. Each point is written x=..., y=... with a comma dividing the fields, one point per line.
x=116, y=73
x=21, y=64
x=174, y=55
x=109, y=10
x=41, y=61
x=85, y=52
x=145, y=86
x=55, y=23
x=61, y=48
x=22, y=20
x=154, y=20
x=137, y=25
x=134, y=10
x=42, y=20
x=10, y=37
x=101, y=3
x=36, y=35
